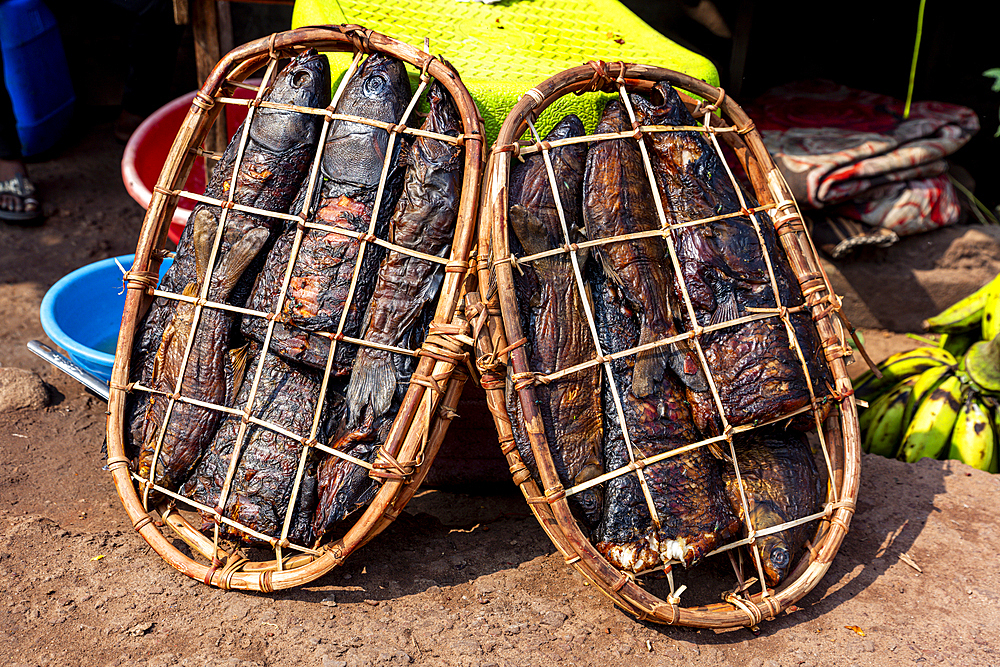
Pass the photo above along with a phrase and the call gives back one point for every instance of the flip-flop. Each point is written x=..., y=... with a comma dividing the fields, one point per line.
x=20, y=187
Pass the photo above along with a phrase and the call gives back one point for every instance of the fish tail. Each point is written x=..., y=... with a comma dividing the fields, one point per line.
x=649, y=364
x=203, y=227
x=371, y=388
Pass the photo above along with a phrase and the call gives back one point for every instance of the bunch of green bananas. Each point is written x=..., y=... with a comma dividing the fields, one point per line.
x=941, y=401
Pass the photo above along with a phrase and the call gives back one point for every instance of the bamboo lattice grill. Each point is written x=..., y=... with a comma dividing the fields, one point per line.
x=500, y=340
x=434, y=387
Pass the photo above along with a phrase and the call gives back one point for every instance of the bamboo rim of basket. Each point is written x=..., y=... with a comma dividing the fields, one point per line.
x=493, y=311
x=429, y=404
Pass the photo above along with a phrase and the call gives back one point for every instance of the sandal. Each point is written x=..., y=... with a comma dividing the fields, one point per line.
x=19, y=188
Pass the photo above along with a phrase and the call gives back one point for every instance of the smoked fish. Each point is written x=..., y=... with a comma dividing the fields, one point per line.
x=343, y=486
x=618, y=200
x=782, y=484
x=554, y=321
x=352, y=163
x=758, y=373
x=687, y=490
x=190, y=426
x=267, y=463
x=275, y=161
x=424, y=220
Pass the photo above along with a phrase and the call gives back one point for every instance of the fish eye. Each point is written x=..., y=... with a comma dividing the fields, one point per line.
x=375, y=84
x=779, y=557
x=300, y=79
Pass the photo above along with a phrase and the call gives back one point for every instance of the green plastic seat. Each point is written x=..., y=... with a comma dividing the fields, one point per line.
x=501, y=50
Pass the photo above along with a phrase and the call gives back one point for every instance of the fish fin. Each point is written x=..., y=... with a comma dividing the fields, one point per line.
x=238, y=363
x=235, y=262
x=371, y=388
x=726, y=309
x=649, y=364
x=529, y=230
x=203, y=223
x=609, y=270
x=161, y=352
x=685, y=365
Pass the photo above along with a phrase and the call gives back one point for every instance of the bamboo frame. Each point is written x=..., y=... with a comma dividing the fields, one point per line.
x=499, y=339
x=435, y=385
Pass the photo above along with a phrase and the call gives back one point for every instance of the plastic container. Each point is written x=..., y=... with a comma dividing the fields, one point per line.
x=82, y=313
x=35, y=73
x=148, y=147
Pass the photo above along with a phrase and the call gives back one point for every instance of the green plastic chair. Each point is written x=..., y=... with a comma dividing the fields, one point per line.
x=501, y=50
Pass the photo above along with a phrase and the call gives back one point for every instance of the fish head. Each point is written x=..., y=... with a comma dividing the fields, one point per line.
x=775, y=550
x=669, y=108
x=303, y=82
x=355, y=152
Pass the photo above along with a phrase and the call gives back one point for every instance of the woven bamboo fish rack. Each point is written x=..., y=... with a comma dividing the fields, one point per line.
x=500, y=331
x=435, y=385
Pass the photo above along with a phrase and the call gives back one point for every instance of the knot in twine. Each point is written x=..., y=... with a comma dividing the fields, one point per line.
x=603, y=79
x=360, y=38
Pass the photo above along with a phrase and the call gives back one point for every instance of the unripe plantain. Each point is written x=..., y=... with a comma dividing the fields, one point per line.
x=925, y=383
x=991, y=311
x=973, y=440
x=965, y=314
x=885, y=433
x=929, y=432
x=897, y=368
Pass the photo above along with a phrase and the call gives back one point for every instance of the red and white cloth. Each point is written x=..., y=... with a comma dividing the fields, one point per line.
x=851, y=150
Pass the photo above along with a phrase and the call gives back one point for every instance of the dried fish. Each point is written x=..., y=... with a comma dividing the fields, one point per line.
x=352, y=164
x=424, y=220
x=276, y=158
x=174, y=442
x=781, y=484
x=618, y=201
x=692, y=514
x=554, y=321
x=267, y=462
x=756, y=369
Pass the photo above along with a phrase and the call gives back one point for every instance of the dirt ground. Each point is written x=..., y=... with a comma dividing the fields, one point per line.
x=462, y=578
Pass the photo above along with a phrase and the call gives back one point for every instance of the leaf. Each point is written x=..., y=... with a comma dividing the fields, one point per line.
x=995, y=74
x=856, y=629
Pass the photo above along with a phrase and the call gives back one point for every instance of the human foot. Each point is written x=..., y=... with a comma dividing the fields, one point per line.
x=18, y=202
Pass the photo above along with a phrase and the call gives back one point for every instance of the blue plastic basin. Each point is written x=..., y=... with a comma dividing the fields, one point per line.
x=82, y=313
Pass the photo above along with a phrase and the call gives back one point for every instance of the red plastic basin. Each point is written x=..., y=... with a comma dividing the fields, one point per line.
x=148, y=147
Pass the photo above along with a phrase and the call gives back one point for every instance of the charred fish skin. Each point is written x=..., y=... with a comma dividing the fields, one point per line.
x=274, y=163
x=352, y=164
x=555, y=321
x=757, y=371
x=209, y=374
x=343, y=486
x=423, y=220
x=782, y=484
x=268, y=461
x=618, y=201
x=693, y=515
x=530, y=187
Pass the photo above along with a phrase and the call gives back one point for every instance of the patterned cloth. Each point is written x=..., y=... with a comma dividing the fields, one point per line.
x=852, y=152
